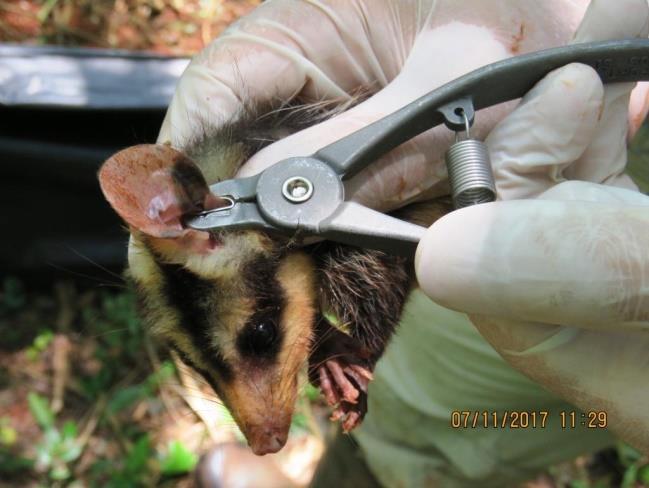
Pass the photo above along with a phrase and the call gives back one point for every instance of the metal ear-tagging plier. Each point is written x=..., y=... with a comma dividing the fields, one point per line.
x=307, y=195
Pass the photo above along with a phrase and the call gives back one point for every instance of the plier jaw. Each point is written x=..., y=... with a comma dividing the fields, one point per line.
x=306, y=195
x=242, y=213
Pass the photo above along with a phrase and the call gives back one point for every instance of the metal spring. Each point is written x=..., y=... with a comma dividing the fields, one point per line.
x=469, y=173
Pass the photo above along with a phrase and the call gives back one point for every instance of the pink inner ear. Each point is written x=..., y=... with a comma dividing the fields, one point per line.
x=165, y=206
x=153, y=186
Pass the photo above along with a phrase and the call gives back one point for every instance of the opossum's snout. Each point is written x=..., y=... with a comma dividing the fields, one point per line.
x=262, y=401
x=269, y=439
x=267, y=432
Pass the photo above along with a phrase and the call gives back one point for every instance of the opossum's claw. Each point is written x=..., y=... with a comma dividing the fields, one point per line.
x=361, y=376
x=337, y=414
x=366, y=373
x=345, y=385
x=329, y=392
x=340, y=366
x=351, y=414
x=352, y=421
x=347, y=389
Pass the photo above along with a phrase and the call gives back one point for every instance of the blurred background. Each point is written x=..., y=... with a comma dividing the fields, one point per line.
x=86, y=399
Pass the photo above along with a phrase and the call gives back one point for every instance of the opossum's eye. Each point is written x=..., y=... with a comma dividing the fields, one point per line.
x=262, y=336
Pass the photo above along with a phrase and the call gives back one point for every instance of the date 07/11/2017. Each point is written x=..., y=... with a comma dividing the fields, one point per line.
x=524, y=419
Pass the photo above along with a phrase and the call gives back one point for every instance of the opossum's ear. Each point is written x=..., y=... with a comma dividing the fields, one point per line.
x=152, y=186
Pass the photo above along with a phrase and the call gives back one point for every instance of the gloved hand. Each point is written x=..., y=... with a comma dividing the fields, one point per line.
x=555, y=276
x=327, y=49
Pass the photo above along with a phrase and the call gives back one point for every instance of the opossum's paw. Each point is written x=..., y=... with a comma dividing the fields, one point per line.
x=344, y=386
x=342, y=369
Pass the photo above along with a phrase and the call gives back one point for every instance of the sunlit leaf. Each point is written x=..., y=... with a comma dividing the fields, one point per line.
x=40, y=410
x=69, y=430
x=8, y=434
x=43, y=339
x=177, y=460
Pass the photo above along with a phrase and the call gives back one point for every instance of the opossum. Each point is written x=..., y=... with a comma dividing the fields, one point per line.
x=246, y=309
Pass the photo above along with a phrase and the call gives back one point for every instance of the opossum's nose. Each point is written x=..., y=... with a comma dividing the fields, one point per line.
x=268, y=440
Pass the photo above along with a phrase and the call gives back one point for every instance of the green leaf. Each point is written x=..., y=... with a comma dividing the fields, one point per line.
x=138, y=456
x=40, y=410
x=311, y=392
x=177, y=460
x=579, y=484
x=60, y=472
x=43, y=339
x=70, y=451
x=643, y=475
x=630, y=477
x=125, y=398
x=299, y=421
x=11, y=464
x=69, y=430
x=165, y=372
x=627, y=454
x=8, y=434
x=45, y=10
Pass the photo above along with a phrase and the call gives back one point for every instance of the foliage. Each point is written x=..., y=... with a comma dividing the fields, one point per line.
x=58, y=447
x=177, y=460
x=636, y=467
x=41, y=342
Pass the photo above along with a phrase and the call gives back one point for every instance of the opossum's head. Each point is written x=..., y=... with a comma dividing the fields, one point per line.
x=238, y=307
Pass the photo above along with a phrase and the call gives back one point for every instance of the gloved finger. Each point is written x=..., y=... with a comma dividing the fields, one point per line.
x=605, y=158
x=282, y=49
x=577, y=263
x=550, y=129
x=321, y=49
x=597, y=371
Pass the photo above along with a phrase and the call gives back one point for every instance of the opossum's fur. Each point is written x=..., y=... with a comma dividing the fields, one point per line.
x=256, y=126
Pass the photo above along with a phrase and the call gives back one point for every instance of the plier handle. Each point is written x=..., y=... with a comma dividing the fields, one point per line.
x=307, y=195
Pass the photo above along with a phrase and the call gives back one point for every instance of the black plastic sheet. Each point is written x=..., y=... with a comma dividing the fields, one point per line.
x=62, y=113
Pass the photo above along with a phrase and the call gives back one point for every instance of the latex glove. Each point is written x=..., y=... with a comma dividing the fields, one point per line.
x=559, y=283
x=329, y=49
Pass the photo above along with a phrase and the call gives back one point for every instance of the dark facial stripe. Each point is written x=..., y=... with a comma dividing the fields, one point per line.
x=185, y=359
x=195, y=299
x=261, y=280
